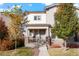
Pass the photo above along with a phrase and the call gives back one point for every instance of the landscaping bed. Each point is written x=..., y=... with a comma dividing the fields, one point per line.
x=73, y=45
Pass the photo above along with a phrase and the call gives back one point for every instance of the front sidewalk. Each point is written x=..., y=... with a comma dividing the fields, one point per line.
x=43, y=51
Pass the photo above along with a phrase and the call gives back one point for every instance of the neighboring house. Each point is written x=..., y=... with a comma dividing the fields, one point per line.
x=50, y=12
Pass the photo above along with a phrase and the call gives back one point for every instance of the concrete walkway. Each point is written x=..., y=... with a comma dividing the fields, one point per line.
x=43, y=51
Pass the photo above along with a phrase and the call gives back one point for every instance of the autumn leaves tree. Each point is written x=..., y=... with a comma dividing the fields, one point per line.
x=5, y=42
x=17, y=20
x=3, y=29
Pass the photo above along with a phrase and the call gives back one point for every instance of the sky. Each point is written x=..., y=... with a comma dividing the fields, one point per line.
x=25, y=6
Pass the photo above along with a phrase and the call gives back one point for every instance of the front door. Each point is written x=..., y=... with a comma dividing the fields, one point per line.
x=36, y=32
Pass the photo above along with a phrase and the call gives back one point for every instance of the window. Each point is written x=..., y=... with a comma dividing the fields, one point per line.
x=37, y=18
x=42, y=31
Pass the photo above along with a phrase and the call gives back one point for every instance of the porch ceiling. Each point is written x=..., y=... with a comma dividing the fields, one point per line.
x=38, y=25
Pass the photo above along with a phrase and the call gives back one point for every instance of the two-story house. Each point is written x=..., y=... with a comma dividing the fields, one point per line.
x=40, y=22
x=37, y=25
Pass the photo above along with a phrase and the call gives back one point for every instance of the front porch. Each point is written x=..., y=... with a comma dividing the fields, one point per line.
x=36, y=34
x=34, y=42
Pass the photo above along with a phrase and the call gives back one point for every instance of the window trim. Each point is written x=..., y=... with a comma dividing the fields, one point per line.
x=37, y=17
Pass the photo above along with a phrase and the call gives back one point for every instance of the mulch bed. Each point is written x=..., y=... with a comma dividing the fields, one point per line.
x=69, y=45
x=73, y=45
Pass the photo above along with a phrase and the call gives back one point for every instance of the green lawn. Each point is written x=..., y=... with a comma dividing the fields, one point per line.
x=18, y=52
x=62, y=52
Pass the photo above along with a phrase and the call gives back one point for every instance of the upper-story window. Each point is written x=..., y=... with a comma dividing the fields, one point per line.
x=37, y=17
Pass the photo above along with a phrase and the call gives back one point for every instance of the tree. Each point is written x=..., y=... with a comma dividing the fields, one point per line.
x=65, y=20
x=13, y=32
x=17, y=20
x=3, y=29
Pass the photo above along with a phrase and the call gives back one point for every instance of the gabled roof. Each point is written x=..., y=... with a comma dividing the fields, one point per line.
x=55, y=5
x=51, y=6
x=36, y=12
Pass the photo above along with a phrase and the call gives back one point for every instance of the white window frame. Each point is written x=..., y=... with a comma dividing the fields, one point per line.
x=38, y=17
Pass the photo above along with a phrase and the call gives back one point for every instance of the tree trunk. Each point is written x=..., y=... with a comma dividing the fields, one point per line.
x=65, y=43
x=75, y=38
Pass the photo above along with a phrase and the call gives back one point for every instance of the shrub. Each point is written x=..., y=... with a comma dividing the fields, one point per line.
x=19, y=42
x=7, y=44
x=73, y=45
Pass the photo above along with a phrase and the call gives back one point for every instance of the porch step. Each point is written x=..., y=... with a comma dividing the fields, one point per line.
x=30, y=45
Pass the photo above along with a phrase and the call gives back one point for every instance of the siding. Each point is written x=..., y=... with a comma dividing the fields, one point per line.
x=50, y=16
x=32, y=21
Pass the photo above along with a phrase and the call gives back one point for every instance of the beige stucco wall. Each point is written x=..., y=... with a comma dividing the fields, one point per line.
x=32, y=21
x=50, y=16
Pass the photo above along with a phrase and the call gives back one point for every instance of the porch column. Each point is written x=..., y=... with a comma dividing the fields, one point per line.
x=33, y=33
x=39, y=31
x=47, y=32
x=50, y=32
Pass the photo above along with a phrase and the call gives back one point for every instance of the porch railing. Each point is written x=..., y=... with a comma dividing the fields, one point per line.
x=35, y=41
